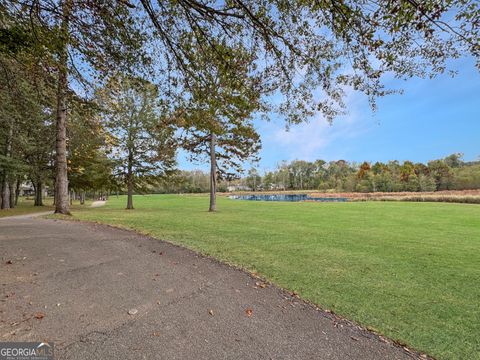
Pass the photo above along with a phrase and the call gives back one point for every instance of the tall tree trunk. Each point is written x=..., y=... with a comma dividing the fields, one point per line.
x=130, y=180
x=6, y=196
x=61, y=178
x=1, y=191
x=38, y=186
x=82, y=197
x=213, y=174
x=17, y=191
x=5, y=193
x=11, y=186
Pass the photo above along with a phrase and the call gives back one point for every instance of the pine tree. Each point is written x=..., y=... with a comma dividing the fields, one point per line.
x=143, y=146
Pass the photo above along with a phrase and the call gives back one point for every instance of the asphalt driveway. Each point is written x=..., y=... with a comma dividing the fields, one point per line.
x=102, y=293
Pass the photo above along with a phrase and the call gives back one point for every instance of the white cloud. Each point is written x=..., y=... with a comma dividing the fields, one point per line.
x=317, y=138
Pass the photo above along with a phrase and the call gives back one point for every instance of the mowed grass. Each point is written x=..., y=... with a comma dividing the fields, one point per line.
x=410, y=271
x=25, y=206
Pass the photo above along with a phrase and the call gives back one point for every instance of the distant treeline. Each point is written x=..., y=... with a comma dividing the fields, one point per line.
x=450, y=173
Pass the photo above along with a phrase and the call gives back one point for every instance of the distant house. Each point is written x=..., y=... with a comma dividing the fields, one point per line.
x=277, y=187
x=27, y=189
x=232, y=188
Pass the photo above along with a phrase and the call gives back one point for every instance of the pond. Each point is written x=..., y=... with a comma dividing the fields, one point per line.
x=286, y=197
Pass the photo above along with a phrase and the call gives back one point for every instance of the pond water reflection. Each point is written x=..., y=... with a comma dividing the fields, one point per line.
x=285, y=197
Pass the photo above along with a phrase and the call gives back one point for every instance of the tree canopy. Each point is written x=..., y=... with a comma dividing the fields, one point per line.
x=225, y=59
x=309, y=51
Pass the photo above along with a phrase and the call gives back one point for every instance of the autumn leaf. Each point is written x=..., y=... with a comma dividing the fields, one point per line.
x=210, y=312
x=249, y=312
x=260, y=285
x=39, y=315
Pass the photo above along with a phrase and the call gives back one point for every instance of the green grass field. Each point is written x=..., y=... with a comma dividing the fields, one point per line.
x=410, y=271
x=25, y=206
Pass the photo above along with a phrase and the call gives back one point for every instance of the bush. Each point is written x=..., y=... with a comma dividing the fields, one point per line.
x=448, y=199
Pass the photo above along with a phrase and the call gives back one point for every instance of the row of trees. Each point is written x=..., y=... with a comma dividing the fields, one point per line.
x=450, y=173
x=99, y=94
x=126, y=137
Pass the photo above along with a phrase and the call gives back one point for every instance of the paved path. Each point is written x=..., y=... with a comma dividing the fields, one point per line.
x=98, y=203
x=27, y=216
x=74, y=284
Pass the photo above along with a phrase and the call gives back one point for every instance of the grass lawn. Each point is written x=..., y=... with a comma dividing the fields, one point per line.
x=409, y=270
x=25, y=206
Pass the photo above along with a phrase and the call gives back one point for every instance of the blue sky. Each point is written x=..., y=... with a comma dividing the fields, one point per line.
x=431, y=119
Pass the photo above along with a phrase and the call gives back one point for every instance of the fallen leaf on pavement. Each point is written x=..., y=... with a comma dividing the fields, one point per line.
x=9, y=262
x=210, y=312
x=39, y=315
x=132, y=311
x=261, y=285
x=156, y=334
x=249, y=312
